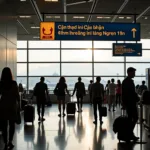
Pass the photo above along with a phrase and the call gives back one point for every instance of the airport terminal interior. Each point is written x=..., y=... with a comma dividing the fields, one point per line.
x=29, y=56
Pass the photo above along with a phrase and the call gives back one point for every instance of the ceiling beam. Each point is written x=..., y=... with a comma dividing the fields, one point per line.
x=22, y=26
x=143, y=13
x=65, y=10
x=92, y=10
x=120, y=9
x=36, y=9
x=82, y=2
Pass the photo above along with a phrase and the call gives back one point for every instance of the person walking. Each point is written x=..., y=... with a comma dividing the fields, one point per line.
x=9, y=106
x=97, y=90
x=89, y=90
x=118, y=93
x=130, y=99
x=41, y=93
x=112, y=93
x=60, y=91
x=80, y=92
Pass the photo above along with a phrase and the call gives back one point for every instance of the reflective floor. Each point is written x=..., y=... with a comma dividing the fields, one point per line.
x=73, y=133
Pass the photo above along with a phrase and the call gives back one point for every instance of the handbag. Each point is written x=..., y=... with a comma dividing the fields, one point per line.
x=55, y=91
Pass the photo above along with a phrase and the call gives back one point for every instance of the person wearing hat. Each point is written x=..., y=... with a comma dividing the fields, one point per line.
x=130, y=99
x=80, y=92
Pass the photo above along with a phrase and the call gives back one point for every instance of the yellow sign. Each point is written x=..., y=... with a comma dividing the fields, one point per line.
x=47, y=31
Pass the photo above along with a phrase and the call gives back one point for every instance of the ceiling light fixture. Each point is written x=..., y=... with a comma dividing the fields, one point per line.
x=78, y=17
x=25, y=16
x=128, y=17
x=53, y=17
x=22, y=0
x=51, y=0
x=145, y=17
x=35, y=27
x=99, y=17
x=107, y=17
x=36, y=37
x=121, y=17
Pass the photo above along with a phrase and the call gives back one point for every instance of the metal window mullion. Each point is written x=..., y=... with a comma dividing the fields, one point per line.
x=92, y=60
x=60, y=59
x=27, y=65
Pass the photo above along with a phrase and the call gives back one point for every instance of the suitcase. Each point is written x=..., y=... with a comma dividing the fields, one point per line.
x=29, y=113
x=71, y=108
x=121, y=126
x=24, y=102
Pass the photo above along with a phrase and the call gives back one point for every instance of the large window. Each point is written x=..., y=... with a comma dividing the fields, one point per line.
x=48, y=69
x=44, y=44
x=77, y=69
x=140, y=68
x=50, y=81
x=106, y=55
x=44, y=55
x=71, y=59
x=76, y=44
x=109, y=69
x=22, y=56
x=76, y=55
x=21, y=69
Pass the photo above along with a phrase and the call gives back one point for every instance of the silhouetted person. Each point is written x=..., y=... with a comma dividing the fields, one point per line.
x=142, y=88
x=89, y=90
x=107, y=91
x=61, y=87
x=20, y=88
x=80, y=92
x=98, y=97
x=130, y=99
x=118, y=93
x=9, y=105
x=41, y=92
x=112, y=94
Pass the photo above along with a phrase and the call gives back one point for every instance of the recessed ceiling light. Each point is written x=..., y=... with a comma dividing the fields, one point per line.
x=57, y=17
x=36, y=37
x=78, y=17
x=99, y=17
x=35, y=27
x=22, y=0
x=145, y=17
x=121, y=17
x=25, y=16
x=107, y=17
x=51, y=0
x=128, y=17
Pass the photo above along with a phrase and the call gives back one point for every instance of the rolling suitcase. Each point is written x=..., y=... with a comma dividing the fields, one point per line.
x=71, y=108
x=29, y=113
x=121, y=126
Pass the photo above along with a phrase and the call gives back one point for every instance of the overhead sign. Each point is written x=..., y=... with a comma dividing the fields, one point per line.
x=127, y=49
x=89, y=31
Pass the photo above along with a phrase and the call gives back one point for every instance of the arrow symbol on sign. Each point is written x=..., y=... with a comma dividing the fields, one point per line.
x=134, y=31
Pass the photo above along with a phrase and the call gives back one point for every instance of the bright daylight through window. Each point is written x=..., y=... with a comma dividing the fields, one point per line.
x=72, y=59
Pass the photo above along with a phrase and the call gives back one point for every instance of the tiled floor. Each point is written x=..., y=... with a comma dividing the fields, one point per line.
x=72, y=133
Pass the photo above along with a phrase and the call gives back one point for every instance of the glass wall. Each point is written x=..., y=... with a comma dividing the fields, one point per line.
x=72, y=59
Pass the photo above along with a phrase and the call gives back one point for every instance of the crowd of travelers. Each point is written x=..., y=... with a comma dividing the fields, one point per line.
x=121, y=94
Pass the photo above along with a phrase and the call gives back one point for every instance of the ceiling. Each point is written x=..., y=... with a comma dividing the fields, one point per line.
x=54, y=11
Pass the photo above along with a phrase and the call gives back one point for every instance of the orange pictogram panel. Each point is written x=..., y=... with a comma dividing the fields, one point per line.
x=47, y=31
